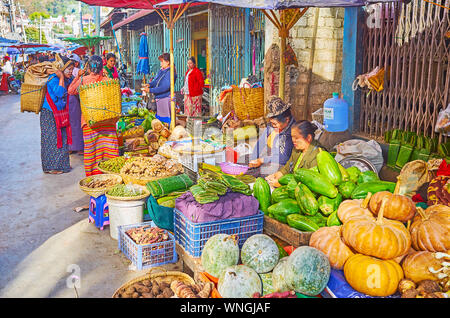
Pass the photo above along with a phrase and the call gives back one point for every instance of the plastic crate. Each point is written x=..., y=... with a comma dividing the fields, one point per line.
x=193, y=236
x=145, y=256
x=191, y=161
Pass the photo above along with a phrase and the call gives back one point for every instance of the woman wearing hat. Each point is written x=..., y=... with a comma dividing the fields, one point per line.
x=274, y=146
x=160, y=87
x=304, y=153
x=56, y=133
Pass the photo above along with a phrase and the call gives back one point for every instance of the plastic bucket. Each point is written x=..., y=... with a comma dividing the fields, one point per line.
x=124, y=213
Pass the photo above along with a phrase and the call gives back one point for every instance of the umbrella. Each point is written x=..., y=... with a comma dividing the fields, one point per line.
x=142, y=66
x=8, y=50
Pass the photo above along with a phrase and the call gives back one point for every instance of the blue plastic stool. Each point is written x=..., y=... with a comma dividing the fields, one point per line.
x=99, y=211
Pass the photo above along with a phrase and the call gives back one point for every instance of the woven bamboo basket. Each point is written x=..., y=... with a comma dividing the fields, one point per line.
x=166, y=276
x=145, y=194
x=100, y=101
x=96, y=192
x=227, y=104
x=248, y=102
x=32, y=97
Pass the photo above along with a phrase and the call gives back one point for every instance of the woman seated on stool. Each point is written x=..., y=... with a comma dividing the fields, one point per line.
x=274, y=146
x=304, y=154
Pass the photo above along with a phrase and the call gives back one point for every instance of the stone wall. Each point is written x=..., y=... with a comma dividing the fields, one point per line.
x=316, y=40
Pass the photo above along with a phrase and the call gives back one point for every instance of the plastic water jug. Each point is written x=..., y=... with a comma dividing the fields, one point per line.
x=335, y=114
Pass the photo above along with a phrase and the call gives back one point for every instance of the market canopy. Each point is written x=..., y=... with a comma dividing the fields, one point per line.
x=88, y=41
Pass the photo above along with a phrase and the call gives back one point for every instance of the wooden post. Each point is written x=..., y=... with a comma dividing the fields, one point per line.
x=282, y=65
x=172, y=71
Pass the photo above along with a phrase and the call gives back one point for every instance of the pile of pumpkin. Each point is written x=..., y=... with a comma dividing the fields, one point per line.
x=261, y=268
x=386, y=244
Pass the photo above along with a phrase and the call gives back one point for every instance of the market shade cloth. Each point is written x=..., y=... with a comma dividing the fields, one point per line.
x=135, y=4
x=88, y=41
x=142, y=67
x=280, y=4
x=5, y=40
x=8, y=50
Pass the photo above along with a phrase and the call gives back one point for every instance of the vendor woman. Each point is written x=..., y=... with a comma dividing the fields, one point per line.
x=304, y=153
x=274, y=146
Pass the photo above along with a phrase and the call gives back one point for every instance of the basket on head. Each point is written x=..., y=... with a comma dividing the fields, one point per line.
x=96, y=192
x=100, y=101
x=248, y=102
x=167, y=277
x=32, y=97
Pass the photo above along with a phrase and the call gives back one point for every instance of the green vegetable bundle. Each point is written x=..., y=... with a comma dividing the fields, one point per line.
x=203, y=196
x=124, y=190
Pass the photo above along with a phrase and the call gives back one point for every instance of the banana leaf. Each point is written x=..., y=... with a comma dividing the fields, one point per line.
x=394, y=149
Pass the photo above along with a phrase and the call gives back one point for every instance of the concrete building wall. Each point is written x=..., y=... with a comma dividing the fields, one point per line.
x=316, y=40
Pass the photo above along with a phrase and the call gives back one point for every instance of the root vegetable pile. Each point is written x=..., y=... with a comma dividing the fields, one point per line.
x=96, y=183
x=148, y=167
x=147, y=235
x=147, y=289
x=199, y=290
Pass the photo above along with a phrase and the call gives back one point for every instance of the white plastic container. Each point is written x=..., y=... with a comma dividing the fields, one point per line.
x=124, y=213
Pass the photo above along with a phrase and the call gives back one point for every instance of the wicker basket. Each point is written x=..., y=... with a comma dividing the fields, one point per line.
x=96, y=192
x=100, y=101
x=32, y=97
x=248, y=102
x=145, y=194
x=227, y=104
x=167, y=276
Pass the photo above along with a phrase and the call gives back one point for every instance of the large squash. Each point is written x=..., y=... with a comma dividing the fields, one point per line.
x=399, y=207
x=219, y=252
x=372, y=276
x=416, y=266
x=328, y=240
x=430, y=229
x=278, y=282
x=239, y=281
x=307, y=271
x=260, y=252
x=350, y=208
x=382, y=238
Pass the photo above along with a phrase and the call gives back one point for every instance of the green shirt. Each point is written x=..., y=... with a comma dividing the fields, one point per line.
x=307, y=160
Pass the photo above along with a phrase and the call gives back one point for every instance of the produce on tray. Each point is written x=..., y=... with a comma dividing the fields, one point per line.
x=329, y=241
x=239, y=281
x=423, y=289
x=199, y=290
x=373, y=276
x=147, y=235
x=430, y=229
x=307, y=271
x=260, y=252
x=381, y=238
x=95, y=183
x=147, y=289
x=114, y=164
x=219, y=252
x=125, y=190
x=156, y=166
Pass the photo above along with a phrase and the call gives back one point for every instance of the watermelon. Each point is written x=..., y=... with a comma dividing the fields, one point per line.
x=260, y=252
x=219, y=252
x=239, y=281
x=267, y=284
x=278, y=281
x=307, y=271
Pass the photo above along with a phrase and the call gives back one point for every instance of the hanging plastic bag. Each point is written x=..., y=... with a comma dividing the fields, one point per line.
x=443, y=122
x=370, y=150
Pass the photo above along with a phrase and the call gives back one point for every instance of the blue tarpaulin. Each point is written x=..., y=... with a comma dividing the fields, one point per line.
x=142, y=66
x=281, y=4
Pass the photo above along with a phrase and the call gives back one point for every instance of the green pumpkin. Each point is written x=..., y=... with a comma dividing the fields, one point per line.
x=307, y=271
x=267, y=283
x=260, y=252
x=239, y=281
x=219, y=252
x=278, y=281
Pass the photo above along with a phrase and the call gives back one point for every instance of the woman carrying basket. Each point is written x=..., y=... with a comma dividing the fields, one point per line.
x=56, y=132
x=100, y=143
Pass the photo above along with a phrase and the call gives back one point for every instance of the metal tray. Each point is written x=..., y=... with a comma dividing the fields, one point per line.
x=361, y=163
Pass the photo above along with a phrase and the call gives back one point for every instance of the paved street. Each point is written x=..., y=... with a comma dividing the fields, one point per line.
x=41, y=238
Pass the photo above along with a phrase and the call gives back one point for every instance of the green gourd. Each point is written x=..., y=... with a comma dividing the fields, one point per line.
x=328, y=167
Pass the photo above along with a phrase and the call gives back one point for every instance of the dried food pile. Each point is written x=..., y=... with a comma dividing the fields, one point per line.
x=151, y=167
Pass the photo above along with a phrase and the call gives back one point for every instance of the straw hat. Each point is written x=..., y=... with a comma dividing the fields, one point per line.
x=276, y=106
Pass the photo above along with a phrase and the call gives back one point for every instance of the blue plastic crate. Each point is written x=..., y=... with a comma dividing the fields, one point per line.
x=193, y=236
x=145, y=256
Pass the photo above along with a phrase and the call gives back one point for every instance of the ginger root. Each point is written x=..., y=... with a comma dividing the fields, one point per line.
x=182, y=290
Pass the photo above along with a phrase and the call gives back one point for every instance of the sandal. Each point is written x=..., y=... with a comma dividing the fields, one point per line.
x=54, y=172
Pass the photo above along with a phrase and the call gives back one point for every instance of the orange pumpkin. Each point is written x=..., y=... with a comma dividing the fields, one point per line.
x=328, y=240
x=372, y=276
x=416, y=266
x=399, y=207
x=430, y=229
x=382, y=238
x=350, y=208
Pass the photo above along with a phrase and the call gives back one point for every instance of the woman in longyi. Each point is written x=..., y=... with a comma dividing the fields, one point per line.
x=100, y=143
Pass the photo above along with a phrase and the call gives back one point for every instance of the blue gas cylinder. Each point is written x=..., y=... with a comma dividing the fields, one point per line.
x=335, y=114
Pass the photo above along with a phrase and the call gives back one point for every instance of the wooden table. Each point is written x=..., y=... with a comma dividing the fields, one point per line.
x=286, y=233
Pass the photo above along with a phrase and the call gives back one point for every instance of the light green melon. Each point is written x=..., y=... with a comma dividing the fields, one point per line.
x=278, y=281
x=219, y=252
x=239, y=281
x=260, y=252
